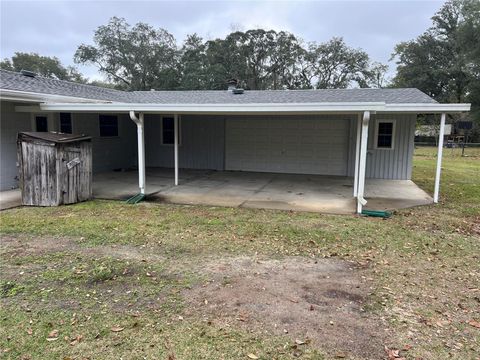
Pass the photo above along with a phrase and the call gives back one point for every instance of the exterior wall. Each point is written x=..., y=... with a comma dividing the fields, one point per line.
x=202, y=143
x=309, y=144
x=109, y=152
x=11, y=123
x=395, y=164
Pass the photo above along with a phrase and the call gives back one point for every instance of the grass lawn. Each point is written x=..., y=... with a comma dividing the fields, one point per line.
x=106, y=280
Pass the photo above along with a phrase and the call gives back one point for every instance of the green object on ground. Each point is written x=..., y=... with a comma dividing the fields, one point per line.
x=377, y=213
x=136, y=199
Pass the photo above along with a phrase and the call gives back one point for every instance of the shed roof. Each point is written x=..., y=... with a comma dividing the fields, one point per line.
x=52, y=137
x=19, y=82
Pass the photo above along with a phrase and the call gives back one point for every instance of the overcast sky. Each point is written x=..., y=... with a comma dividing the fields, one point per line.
x=56, y=28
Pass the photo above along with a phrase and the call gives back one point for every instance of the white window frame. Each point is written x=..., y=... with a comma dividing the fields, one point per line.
x=375, y=142
x=179, y=130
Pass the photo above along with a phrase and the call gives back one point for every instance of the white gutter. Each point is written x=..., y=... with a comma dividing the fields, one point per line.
x=27, y=96
x=141, y=149
x=426, y=108
x=260, y=108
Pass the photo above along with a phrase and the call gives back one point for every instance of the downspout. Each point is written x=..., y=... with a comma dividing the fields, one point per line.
x=363, y=162
x=141, y=149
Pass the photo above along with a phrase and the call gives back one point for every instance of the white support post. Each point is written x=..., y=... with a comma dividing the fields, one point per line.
x=357, y=155
x=363, y=162
x=175, y=135
x=441, y=135
x=141, y=149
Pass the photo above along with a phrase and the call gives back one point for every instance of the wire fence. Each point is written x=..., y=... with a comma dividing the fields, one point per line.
x=449, y=145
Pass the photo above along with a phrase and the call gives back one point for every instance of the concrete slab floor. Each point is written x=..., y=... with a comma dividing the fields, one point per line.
x=315, y=193
x=10, y=199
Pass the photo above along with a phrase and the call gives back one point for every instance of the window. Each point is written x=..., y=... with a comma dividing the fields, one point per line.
x=168, y=130
x=41, y=123
x=384, y=134
x=66, y=123
x=108, y=125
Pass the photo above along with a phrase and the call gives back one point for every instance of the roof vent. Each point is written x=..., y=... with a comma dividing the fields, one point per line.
x=237, y=91
x=232, y=84
x=28, y=73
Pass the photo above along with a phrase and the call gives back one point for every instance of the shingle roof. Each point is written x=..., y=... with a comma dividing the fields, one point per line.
x=16, y=81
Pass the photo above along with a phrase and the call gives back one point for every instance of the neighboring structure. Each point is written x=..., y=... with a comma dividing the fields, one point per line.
x=357, y=133
x=54, y=168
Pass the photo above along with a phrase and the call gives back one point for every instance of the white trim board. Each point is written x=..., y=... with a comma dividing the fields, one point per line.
x=283, y=108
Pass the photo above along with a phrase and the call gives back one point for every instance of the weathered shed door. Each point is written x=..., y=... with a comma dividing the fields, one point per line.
x=74, y=167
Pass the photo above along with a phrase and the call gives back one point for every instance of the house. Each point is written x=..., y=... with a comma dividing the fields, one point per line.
x=323, y=141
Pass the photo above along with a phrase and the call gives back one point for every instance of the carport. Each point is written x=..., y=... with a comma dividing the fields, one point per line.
x=300, y=192
x=327, y=193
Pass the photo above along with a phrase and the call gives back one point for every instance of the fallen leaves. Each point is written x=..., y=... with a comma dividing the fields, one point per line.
x=52, y=335
x=474, y=323
x=117, y=328
x=392, y=354
x=252, y=356
x=76, y=340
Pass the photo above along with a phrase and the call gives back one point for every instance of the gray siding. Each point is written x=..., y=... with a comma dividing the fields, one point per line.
x=11, y=123
x=109, y=152
x=396, y=163
x=308, y=144
x=393, y=164
x=202, y=143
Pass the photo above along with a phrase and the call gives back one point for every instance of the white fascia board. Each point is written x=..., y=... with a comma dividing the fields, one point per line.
x=427, y=108
x=268, y=108
x=26, y=96
x=218, y=108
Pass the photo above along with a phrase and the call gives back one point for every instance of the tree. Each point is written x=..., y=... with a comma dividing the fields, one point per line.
x=334, y=65
x=135, y=58
x=194, y=64
x=46, y=66
x=444, y=61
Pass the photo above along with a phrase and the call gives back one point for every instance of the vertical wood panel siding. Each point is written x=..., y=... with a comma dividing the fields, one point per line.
x=202, y=143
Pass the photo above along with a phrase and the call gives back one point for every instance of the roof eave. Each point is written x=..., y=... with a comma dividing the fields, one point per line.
x=33, y=97
x=286, y=108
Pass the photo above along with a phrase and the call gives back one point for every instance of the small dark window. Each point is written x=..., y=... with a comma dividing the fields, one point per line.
x=41, y=123
x=108, y=125
x=385, y=135
x=168, y=130
x=66, y=123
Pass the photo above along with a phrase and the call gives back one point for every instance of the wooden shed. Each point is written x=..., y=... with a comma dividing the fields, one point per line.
x=54, y=168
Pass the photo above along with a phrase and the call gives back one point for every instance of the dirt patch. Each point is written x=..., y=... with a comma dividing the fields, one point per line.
x=320, y=301
x=12, y=246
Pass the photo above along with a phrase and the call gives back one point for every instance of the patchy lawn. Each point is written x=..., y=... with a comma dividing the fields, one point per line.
x=190, y=282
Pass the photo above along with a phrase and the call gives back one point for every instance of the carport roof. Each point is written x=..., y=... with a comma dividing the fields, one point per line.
x=18, y=82
x=59, y=95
